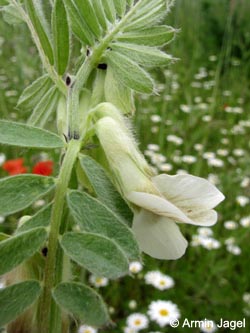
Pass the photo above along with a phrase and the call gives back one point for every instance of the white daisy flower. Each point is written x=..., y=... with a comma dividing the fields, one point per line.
x=234, y=249
x=137, y=321
x=242, y=200
x=210, y=243
x=2, y=219
x=165, y=167
x=87, y=329
x=246, y=298
x=208, y=326
x=230, y=225
x=132, y=304
x=153, y=147
x=175, y=139
x=205, y=232
x=159, y=280
x=245, y=221
x=98, y=281
x=189, y=159
x=155, y=118
x=163, y=312
x=135, y=267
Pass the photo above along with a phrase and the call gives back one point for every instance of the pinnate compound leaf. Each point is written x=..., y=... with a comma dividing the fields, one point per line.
x=19, y=192
x=88, y=15
x=78, y=25
x=34, y=9
x=129, y=73
x=104, y=189
x=16, y=249
x=93, y=216
x=98, y=254
x=82, y=302
x=40, y=219
x=23, y=135
x=143, y=55
x=60, y=36
x=14, y=300
x=154, y=36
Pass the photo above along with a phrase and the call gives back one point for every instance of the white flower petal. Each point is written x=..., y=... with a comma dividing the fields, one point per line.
x=205, y=219
x=157, y=205
x=158, y=236
x=188, y=192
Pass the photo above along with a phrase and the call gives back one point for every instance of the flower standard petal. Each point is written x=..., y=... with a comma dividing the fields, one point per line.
x=157, y=205
x=188, y=192
x=158, y=236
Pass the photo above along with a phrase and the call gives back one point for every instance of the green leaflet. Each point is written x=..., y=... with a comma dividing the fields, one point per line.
x=40, y=219
x=83, y=302
x=10, y=15
x=14, y=300
x=93, y=216
x=154, y=36
x=39, y=23
x=130, y=73
x=3, y=236
x=23, y=135
x=32, y=95
x=143, y=55
x=19, y=192
x=120, y=6
x=88, y=15
x=98, y=254
x=78, y=25
x=16, y=249
x=60, y=36
x=149, y=13
x=4, y=2
x=110, y=11
x=100, y=14
x=104, y=189
x=118, y=94
x=44, y=108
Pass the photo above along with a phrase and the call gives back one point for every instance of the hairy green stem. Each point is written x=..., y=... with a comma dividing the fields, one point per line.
x=47, y=324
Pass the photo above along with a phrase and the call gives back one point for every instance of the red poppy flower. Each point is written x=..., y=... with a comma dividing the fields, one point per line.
x=44, y=168
x=14, y=167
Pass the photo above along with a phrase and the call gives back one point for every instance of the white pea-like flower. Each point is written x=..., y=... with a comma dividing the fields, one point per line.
x=160, y=202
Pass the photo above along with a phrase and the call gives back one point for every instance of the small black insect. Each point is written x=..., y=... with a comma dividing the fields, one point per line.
x=102, y=66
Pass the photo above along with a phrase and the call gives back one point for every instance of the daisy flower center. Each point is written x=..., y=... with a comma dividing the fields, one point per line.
x=164, y=312
x=137, y=322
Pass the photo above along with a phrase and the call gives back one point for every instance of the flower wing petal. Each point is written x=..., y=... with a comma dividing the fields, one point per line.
x=188, y=192
x=205, y=219
x=157, y=205
x=158, y=236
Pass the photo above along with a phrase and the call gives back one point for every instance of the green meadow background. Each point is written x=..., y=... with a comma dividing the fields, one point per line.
x=198, y=123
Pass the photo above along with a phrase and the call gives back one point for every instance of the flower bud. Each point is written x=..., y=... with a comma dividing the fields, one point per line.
x=126, y=162
x=61, y=116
